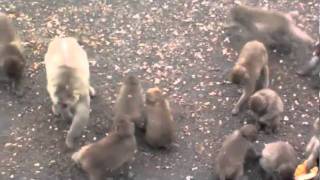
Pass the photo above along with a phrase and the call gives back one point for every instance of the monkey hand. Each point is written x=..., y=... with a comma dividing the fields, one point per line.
x=69, y=141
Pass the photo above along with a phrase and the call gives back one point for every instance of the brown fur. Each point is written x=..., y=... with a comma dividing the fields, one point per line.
x=268, y=106
x=251, y=67
x=160, y=129
x=110, y=153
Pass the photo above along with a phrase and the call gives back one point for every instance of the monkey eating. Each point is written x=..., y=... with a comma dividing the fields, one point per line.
x=68, y=76
x=12, y=61
x=250, y=68
x=268, y=106
x=235, y=149
x=160, y=128
x=110, y=153
x=273, y=28
x=278, y=161
x=130, y=100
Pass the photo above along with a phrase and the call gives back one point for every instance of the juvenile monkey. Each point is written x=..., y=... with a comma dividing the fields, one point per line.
x=67, y=70
x=313, y=147
x=235, y=149
x=268, y=106
x=12, y=62
x=271, y=27
x=160, y=128
x=279, y=160
x=130, y=100
x=251, y=67
x=110, y=153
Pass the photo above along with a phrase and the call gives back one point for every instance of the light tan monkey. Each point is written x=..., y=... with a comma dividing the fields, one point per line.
x=233, y=153
x=273, y=28
x=251, y=67
x=268, y=106
x=160, y=129
x=130, y=100
x=110, y=153
x=68, y=84
x=279, y=159
x=12, y=62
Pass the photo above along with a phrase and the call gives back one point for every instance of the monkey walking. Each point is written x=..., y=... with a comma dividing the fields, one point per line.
x=251, y=67
x=279, y=161
x=160, y=128
x=110, y=153
x=68, y=75
x=268, y=106
x=12, y=62
x=273, y=28
x=130, y=100
x=233, y=153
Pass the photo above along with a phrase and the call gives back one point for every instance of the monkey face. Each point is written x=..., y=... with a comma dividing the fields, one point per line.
x=153, y=95
x=131, y=79
x=239, y=75
x=249, y=131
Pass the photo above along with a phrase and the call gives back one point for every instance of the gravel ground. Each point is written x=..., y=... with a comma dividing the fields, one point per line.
x=175, y=44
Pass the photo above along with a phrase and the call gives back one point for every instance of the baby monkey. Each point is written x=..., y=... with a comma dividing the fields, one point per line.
x=234, y=151
x=267, y=105
x=12, y=62
x=250, y=68
x=279, y=161
x=130, y=100
x=160, y=129
x=68, y=75
x=110, y=153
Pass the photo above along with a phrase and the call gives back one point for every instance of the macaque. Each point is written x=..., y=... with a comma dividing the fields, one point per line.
x=267, y=105
x=12, y=61
x=110, y=153
x=273, y=28
x=130, y=101
x=68, y=76
x=234, y=152
x=279, y=160
x=250, y=68
x=160, y=128
x=312, y=67
x=313, y=147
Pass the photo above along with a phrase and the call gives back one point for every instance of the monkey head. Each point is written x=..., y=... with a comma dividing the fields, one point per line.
x=239, y=75
x=153, y=95
x=249, y=132
x=257, y=104
x=123, y=125
x=131, y=80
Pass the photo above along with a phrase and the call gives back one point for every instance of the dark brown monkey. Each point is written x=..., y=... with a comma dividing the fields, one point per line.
x=12, y=62
x=160, y=128
x=268, y=107
x=235, y=149
x=130, y=100
x=251, y=67
x=110, y=153
x=313, y=147
x=273, y=28
x=279, y=160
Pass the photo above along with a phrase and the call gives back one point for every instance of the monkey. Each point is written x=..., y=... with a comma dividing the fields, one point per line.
x=235, y=149
x=278, y=160
x=160, y=126
x=312, y=67
x=268, y=106
x=313, y=147
x=130, y=100
x=67, y=71
x=273, y=28
x=12, y=61
x=109, y=153
x=251, y=67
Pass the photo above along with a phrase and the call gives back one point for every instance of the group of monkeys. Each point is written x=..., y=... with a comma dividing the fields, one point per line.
x=68, y=84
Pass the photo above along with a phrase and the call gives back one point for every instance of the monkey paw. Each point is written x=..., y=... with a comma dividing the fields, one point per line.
x=92, y=91
x=70, y=142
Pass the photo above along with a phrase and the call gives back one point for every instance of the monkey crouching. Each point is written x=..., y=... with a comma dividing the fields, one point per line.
x=160, y=128
x=103, y=157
